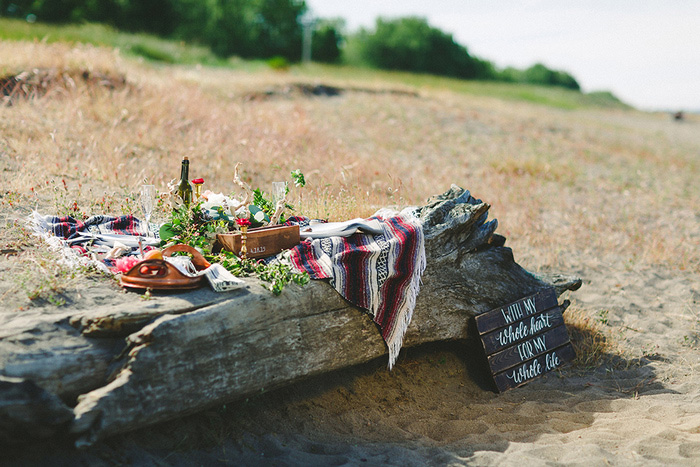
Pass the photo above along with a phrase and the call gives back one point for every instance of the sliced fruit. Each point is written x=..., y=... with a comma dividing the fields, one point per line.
x=153, y=254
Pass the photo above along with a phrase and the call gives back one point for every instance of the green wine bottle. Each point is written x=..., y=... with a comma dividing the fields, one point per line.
x=184, y=189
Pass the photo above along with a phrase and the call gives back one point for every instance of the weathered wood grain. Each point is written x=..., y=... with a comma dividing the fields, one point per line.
x=28, y=412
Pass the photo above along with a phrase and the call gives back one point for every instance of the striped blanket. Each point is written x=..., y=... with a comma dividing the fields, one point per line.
x=68, y=227
x=97, y=230
x=69, y=237
x=380, y=273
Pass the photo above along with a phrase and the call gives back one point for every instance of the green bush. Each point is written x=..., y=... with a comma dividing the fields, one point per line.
x=411, y=44
x=278, y=63
x=540, y=74
x=326, y=43
x=152, y=53
x=247, y=28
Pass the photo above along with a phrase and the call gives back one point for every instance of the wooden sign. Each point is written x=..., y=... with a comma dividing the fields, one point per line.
x=524, y=339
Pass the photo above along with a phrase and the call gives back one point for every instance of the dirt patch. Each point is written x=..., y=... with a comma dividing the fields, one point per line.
x=42, y=81
x=318, y=90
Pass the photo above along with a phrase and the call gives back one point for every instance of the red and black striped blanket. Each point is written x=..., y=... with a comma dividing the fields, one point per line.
x=380, y=273
x=68, y=227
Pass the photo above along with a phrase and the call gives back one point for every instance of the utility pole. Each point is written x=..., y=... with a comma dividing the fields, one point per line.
x=307, y=23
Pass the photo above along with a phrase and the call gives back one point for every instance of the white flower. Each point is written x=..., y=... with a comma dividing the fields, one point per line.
x=218, y=199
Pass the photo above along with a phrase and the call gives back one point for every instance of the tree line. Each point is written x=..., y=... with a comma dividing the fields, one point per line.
x=263, y=29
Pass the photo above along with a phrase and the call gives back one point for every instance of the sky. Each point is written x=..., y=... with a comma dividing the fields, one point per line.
x=647, y=52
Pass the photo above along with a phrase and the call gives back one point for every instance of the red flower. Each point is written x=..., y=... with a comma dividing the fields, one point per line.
x=198, y=181
x=243, y=222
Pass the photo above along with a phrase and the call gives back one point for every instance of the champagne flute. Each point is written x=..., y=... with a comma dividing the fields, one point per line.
x=279, y=191
x=148, y=201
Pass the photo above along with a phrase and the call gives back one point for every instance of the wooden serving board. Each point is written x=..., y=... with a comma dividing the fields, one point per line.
x=263, y=241
x=524, y=339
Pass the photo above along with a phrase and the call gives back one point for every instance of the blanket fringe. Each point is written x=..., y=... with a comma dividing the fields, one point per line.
x=395, y=340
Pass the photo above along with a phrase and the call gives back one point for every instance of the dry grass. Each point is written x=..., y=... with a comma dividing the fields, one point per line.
x=593, y=343
x=571, y=188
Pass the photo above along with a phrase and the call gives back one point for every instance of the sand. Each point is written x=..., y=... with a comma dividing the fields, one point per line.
x=638, y=407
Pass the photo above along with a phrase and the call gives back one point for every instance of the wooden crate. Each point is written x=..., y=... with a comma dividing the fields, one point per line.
x=263, y=241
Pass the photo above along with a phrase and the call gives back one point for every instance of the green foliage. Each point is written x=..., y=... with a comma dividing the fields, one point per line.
x=262, y=202
x=277, y=30
x=276, y=274
x=193, y=227
x=278, y=63
x=152, y=53
x=298, y=178
x=247, y=28
x=255, y=29
x=540, y=74
x=279, y=275
x=326, y=43
x=411, y=44
x=268, y=206
x=148, y=46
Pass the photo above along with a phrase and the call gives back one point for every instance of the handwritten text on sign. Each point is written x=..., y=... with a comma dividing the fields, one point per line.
x=523, y=308
x=528, y=349
x=534, y=368
x=521, y=330
x=524, y=339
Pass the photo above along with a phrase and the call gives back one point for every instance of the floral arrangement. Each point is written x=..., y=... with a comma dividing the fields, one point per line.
x=197, y=225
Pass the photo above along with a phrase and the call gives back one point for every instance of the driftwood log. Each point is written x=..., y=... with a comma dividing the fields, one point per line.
x=127, y=367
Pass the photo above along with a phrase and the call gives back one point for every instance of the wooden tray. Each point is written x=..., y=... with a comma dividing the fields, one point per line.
x=158, y=274
x=263, y=241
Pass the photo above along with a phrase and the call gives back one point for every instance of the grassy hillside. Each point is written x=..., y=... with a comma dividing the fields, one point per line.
x=159, y=50
x=142, y=45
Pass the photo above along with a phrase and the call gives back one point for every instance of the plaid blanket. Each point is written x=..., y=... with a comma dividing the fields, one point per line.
x=68, y=227
x=380, y=273
x=98, y=230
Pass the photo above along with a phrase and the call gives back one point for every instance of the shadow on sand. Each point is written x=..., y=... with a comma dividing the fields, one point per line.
x=438, y=405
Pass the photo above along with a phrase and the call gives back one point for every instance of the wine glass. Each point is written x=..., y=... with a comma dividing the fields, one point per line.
x=279, y=191
x=148, y=200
